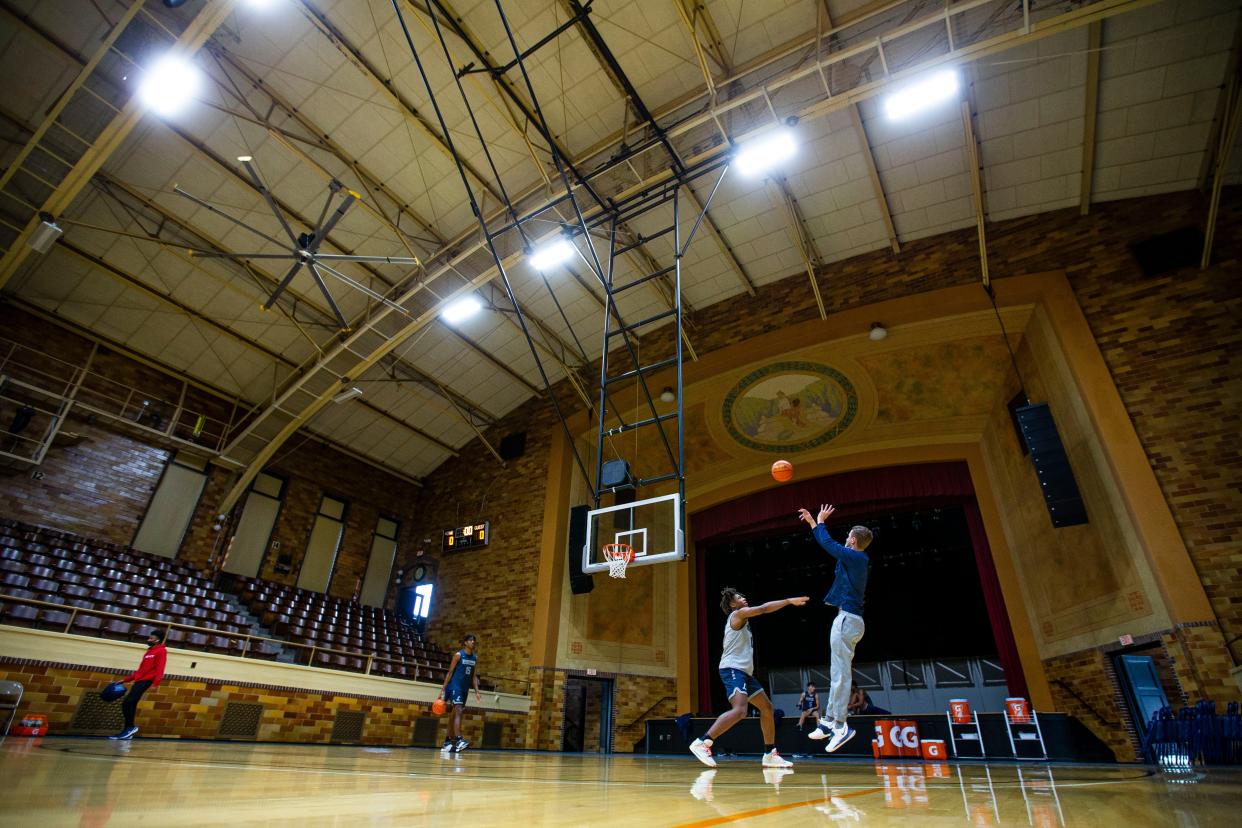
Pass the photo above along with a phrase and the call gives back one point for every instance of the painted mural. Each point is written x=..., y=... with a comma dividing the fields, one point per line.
x=789, y=406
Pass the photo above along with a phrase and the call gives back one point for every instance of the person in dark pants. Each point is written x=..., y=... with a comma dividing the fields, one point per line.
x=149, y=674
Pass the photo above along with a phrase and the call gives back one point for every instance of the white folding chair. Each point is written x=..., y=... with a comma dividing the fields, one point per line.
x=10, y=698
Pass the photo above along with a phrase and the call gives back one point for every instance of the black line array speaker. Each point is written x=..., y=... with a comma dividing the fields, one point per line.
x=1056, y=478
x=579, y=584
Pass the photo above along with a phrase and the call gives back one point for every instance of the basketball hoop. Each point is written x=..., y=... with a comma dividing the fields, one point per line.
x=618, y=556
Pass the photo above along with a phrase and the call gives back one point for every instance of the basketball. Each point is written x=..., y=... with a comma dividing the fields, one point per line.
x=438, y=707
x=782, y=471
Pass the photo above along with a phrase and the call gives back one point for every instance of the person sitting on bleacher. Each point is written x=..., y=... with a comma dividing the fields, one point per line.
x=861, y=705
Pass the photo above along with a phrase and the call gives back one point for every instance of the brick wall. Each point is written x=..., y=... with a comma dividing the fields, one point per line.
x=489, y=591
x=98, y=487
x=192, y=709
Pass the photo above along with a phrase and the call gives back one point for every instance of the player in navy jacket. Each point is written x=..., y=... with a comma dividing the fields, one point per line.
x=849, y=586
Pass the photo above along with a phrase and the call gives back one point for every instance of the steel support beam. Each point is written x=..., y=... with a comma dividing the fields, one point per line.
x=538, y=198
x=208, y=19
x=801, y=237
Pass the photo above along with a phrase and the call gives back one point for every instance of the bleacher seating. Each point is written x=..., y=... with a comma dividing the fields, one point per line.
x=93, y=577
x=312, y=619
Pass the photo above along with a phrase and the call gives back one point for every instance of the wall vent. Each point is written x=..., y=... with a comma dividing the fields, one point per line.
x=240, y=720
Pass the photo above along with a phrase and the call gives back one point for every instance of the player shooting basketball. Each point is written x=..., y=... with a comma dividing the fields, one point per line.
x=461, y=671
x=737, y=665
x=848, y=587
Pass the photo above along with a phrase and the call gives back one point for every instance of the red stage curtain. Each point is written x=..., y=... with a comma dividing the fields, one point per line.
x=858, y=495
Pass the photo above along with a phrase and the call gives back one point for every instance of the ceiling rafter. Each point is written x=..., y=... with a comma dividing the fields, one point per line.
x=206, y=152
x=1002, y=40
x=371, y=182
x=130, y=280
x=269, y=282
x=202, y=385
x=801, y=236
x=385, y=85
x=368, y=180
x=201, y=27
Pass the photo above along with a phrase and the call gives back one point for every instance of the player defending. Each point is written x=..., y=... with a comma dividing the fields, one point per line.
x=808, y=703
x=737, y=664
x=848, y=586
x=456, y=680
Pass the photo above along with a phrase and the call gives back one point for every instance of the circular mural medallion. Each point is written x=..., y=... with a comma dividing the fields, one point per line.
x=790, y=406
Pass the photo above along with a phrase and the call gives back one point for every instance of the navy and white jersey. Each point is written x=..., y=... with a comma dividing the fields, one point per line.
x=464, y=673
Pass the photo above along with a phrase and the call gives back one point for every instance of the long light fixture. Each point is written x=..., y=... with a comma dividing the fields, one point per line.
x=169, y=84
x=461, y=310
x=921, y=94
x=549, y=255
x=761, y=154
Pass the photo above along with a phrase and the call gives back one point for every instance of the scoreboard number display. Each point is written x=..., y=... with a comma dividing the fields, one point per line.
x=467, y=537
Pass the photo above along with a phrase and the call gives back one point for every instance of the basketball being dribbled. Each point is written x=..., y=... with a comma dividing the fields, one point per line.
x=438, y=707
x=782, y=471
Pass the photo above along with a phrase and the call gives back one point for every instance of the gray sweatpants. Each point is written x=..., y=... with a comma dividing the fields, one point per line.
x=847, y=631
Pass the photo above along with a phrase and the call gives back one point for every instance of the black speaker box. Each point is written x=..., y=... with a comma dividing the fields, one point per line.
x=579, y=584
x=615, y=474
x=1056, y=478
x=512, y=446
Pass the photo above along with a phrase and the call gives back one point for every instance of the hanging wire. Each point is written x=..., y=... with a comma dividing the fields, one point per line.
x=1012, y=358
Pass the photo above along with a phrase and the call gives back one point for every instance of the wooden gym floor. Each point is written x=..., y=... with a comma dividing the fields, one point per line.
x=60, y=781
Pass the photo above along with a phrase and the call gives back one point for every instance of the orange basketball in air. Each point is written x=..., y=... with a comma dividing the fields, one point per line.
x=782, y=470
x=438, y=707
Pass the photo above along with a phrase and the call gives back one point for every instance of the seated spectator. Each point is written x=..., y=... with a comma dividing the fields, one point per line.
x=861, y=705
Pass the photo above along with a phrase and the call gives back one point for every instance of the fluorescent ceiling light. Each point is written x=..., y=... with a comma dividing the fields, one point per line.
x=761, y=154
x=549, y=255
x=922, y=94
x=460, y=310
x=347, y=395
x=168, y=85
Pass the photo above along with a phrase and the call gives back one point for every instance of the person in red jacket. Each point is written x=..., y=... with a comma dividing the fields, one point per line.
x=149, y=674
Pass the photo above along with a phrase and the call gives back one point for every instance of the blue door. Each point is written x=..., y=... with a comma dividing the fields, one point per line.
x=1142, y=687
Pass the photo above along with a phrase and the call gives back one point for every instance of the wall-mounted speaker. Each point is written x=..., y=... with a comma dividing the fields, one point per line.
x=512, y=446
x=1056, y=478
x=579, y=583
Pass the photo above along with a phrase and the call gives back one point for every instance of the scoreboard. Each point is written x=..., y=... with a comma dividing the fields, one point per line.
x=467, y=537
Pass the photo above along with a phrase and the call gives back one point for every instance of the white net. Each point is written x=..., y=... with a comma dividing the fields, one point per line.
x=618, y=556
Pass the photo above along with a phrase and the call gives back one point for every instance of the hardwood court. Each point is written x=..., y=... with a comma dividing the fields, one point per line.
x=152, y=782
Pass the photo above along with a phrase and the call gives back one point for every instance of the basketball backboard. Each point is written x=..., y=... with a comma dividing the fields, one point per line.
x=652, y=527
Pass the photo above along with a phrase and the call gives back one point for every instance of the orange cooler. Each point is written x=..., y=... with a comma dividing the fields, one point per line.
x=1019, y=710
x=959, y=710
x=933, y=749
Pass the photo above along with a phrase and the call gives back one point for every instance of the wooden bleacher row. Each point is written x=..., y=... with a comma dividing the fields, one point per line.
x=315, y=619
x=60, y=581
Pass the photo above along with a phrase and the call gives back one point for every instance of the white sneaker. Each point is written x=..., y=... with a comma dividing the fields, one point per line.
x=840, y=735
x=702, y=787
x=702, y=752
x=775, y=760
x=773, y=776
x=821, y=731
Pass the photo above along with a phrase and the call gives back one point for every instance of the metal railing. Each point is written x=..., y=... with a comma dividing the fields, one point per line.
x=250, y=639
x=30, y=371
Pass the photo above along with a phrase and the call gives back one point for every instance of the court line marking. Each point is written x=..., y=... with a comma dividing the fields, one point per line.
x=771, y=809
x=429, y=774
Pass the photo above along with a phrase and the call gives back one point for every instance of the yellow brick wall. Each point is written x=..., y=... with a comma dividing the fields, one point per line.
x=190, y=709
